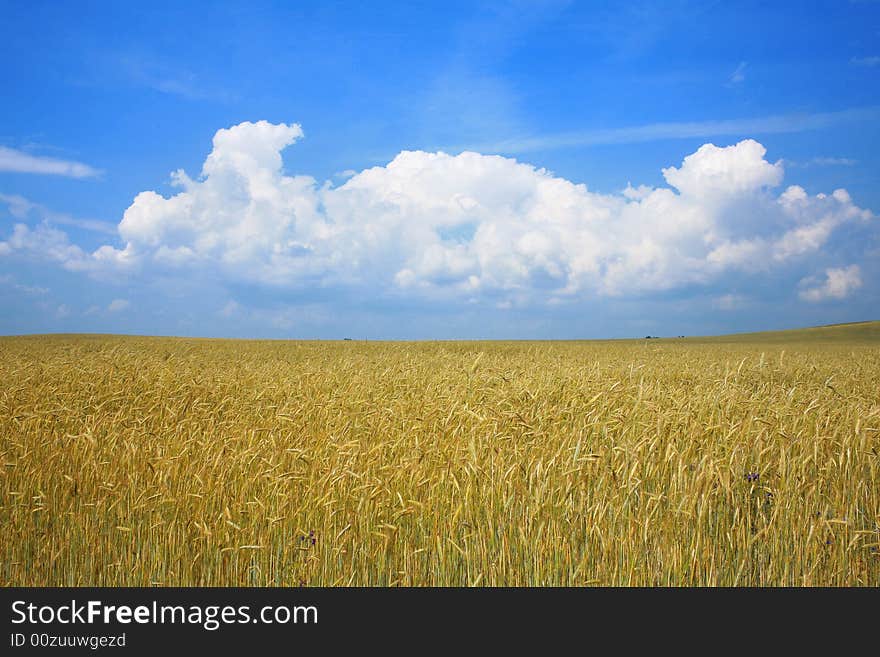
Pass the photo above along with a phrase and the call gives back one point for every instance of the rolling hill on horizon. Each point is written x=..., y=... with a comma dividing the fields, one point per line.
x=861, y=332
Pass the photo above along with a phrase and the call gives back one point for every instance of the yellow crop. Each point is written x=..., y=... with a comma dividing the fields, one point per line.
x=752, y=460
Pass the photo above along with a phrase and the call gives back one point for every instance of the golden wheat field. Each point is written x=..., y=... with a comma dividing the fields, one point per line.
x=748, y=460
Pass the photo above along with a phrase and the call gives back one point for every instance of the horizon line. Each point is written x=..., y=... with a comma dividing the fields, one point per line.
x=405, y=340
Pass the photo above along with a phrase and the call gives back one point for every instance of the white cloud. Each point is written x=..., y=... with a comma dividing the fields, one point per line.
x=48, y=243
x=32, y=290
x=764, y=125
x=834, y=161
x=20, y=162
x=739, y=75
x=838, y=284
x=866, y=61
x=21, y=208
x=18, y=206
x=637, y=193
x=727, y=171
x=822, y=162
x=730, y=302
x=154, y=72
x=478, y=228
x=118, y=305
x=230, y=309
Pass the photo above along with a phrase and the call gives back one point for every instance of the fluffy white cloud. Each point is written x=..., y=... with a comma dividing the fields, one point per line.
x=46, y=242
x=118, y=305
x=837, y=284
x=471, y=226
x=726, y=172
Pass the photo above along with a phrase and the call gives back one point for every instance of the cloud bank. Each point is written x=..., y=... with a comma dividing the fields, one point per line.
x=469, y=227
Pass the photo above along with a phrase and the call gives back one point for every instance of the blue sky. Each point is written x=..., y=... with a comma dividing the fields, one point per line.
x=438, y=170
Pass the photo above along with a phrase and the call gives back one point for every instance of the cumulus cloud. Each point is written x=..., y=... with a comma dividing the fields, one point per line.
x=837, y=284
x=478, y=228
x=16, y=161
x=118, y=305
x=731, y=171
x=49, y=243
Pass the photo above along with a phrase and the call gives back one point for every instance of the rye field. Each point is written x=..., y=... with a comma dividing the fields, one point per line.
x=749, y=460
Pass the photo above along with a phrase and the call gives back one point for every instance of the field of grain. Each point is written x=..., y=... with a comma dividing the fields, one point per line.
x=750, y=460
